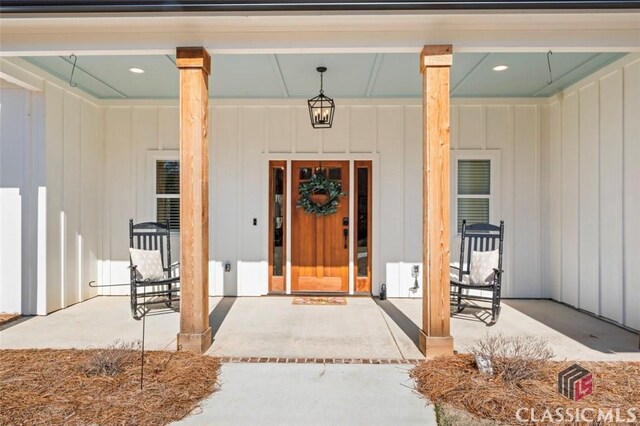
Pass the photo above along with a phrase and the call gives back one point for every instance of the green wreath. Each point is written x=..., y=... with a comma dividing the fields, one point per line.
x=319, y=184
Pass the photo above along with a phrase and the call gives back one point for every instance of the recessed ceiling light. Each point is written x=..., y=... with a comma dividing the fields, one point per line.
x=136, y=70
x=500, y=67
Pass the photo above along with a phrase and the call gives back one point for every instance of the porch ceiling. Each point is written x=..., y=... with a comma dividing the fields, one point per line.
x=349, y=75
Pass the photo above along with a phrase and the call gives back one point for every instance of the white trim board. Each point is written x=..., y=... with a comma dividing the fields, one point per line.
x=506, y=31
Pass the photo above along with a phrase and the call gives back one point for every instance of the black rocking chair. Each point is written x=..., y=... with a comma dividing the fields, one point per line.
x=153, y=236
x=479, y=237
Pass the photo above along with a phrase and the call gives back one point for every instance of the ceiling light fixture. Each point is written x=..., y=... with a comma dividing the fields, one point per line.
x=136, y=70
x=321, y=108
x=500, y=67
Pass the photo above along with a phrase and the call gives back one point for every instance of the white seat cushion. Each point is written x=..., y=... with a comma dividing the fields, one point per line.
x=481, y=271
x=148, y=264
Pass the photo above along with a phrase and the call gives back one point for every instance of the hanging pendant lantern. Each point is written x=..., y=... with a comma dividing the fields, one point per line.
x=321, y=108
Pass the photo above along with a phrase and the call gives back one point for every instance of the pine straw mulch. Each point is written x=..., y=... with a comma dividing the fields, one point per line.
x=56, y=387
x=455, y=381
x=7, y=318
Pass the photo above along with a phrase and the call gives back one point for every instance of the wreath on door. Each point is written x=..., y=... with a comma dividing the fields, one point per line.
x=319, y=195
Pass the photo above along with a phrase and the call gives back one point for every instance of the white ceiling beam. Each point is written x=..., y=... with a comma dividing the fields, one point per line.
x=160, y=34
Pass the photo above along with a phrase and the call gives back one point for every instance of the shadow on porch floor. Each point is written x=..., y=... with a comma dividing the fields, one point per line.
x=572, y=334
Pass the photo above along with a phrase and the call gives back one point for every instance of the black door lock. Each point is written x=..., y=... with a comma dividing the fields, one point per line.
x=345, y=232
x=345, y=221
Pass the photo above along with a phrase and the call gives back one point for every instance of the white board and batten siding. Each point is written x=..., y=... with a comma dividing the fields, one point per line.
x=591, y=216
x=512, y=131
x=51, y=228
x=19, y=179
x=74, y=199
x=246, y=134
x=567, y=187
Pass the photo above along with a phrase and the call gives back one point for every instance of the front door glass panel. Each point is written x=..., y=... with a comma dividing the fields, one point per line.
x=362, y=232
x=278, y=221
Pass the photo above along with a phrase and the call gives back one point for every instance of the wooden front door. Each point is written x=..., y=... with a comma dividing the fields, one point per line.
x=320, y=244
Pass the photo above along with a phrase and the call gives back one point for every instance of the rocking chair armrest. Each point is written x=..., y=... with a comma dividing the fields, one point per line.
x=158, y=282
x=173, y=270
x=456, y=282
x=498, y=271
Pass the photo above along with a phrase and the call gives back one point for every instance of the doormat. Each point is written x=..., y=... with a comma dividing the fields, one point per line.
x=319, y=300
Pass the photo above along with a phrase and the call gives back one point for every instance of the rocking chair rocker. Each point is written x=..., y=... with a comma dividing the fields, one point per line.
x=151, y=239
x=481, y=241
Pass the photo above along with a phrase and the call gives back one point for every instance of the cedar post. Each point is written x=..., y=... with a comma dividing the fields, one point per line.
x=194, y=64
x=435, y=64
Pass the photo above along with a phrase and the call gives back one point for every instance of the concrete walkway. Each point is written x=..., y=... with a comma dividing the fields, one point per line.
x=314, y=394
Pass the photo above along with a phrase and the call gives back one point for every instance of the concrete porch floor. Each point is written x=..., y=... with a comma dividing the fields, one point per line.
x=364, y=328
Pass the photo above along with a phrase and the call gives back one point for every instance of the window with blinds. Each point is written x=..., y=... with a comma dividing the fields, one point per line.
x=474, y=191
x=168, y=192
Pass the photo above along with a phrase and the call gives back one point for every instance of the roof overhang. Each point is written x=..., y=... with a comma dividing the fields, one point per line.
x=288, y=31
x=138, y=34
x=94, y=6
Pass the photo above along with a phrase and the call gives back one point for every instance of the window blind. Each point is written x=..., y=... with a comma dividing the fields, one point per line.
x=474, y=210
x=474, y=177
x=474, y=191
x=167, y=177
x=168, y=192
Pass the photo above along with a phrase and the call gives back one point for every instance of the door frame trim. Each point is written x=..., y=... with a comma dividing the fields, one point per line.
x=375, y=226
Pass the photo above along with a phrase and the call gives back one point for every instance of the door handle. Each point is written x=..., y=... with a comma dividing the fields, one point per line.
x=345, y=232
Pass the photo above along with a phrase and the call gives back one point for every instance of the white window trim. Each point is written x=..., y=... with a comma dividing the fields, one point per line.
x=152, y=196
x=493, y=155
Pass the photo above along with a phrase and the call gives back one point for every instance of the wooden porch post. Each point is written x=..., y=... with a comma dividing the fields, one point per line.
x=195, y=66
x=435, y=63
